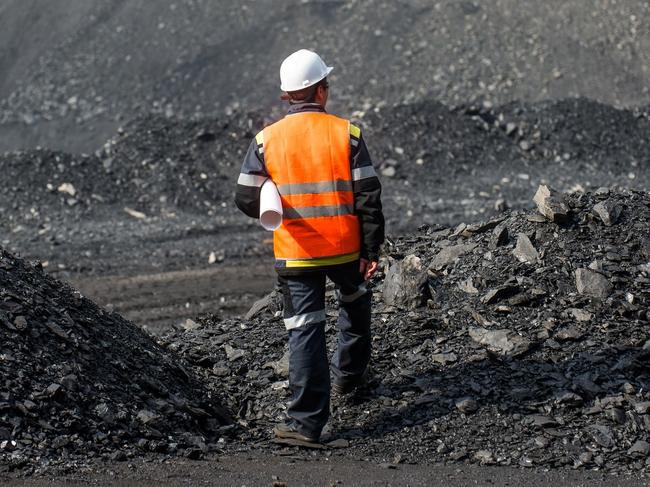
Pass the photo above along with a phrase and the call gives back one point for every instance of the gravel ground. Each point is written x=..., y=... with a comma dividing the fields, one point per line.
x=280, y=469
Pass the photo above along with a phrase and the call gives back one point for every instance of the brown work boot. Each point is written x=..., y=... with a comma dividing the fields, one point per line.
x=288, y=431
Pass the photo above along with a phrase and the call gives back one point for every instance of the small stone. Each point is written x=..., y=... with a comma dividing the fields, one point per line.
x=339, y=443
x=189, y=325
x=499, y=294
x=542, y=421
x=216, y=257
x=67, y=188
x=60, y=442
x=459, y=454
x=220, y=371
x=525, y=251
x=628, y=388
x=499, y=237
x=232, y=353
x=485, y=457
x=568, y=333
x=444, y=358
x=268, y=304
x=503, y=342
x=526, y=462
x=617, y=415
x=467, y=405
x=642, y=407
x=639, y=449
x=52, y=390
x=193, y=453
x=542, y=442
x=405, y=284
x=500, y=204
x=30, y=405
x=580, y=314
x=467, y=286
x=442, y=448
x=551, y=204
x=281, y=367
x=592, y=283
x=280, y=385
x=57, y=330
x=525, y=145
x=20, y=323
x=511, y=128
x=608, y=212
x=135, y=214
x=449, y=255
x=601, y=434
x=147, y=417
x=569, y=398
x=584, y=458
x=118, y=456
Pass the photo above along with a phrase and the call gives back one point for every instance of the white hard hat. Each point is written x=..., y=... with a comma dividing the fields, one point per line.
x=301, y=70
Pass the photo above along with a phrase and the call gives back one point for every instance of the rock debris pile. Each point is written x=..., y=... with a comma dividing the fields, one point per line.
x=438, y=164
x=150, y=165
x=78, y=383
x=522, y=340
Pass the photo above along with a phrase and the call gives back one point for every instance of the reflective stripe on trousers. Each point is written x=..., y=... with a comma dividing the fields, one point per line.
x=304, y=315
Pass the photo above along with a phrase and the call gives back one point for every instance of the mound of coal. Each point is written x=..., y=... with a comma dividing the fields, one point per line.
x=438, y=165
x=73, y=71
x=81, y=383
x=468, y=163
x=523, y=340
x=151, y=164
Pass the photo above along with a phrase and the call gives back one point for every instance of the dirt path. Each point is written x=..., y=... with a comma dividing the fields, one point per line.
x=283, y=469
x=156, y=301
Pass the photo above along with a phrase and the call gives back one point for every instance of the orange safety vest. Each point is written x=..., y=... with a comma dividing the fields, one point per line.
x=307, y=156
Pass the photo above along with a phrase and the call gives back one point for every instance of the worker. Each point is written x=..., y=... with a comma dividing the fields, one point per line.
x=332, y=227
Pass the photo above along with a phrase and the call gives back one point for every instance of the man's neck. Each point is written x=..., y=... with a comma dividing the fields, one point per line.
x=305, y=107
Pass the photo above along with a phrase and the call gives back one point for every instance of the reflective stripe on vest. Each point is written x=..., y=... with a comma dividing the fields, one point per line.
x=307, y=156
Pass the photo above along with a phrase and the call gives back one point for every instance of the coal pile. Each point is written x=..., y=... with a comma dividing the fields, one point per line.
x=151, y=164
x=79, y=383
x=438, y=164
x=442, y=165
x=522, y=340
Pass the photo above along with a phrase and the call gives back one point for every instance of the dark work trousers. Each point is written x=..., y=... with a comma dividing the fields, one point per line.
x=304, y=318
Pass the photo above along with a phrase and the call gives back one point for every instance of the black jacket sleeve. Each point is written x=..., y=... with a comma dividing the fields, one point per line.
x=251, y=178
x=367, y=198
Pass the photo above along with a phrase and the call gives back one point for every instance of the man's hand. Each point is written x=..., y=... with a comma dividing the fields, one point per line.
x=368, y=268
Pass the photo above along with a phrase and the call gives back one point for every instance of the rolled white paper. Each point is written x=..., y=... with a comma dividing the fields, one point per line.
x=270, y=206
